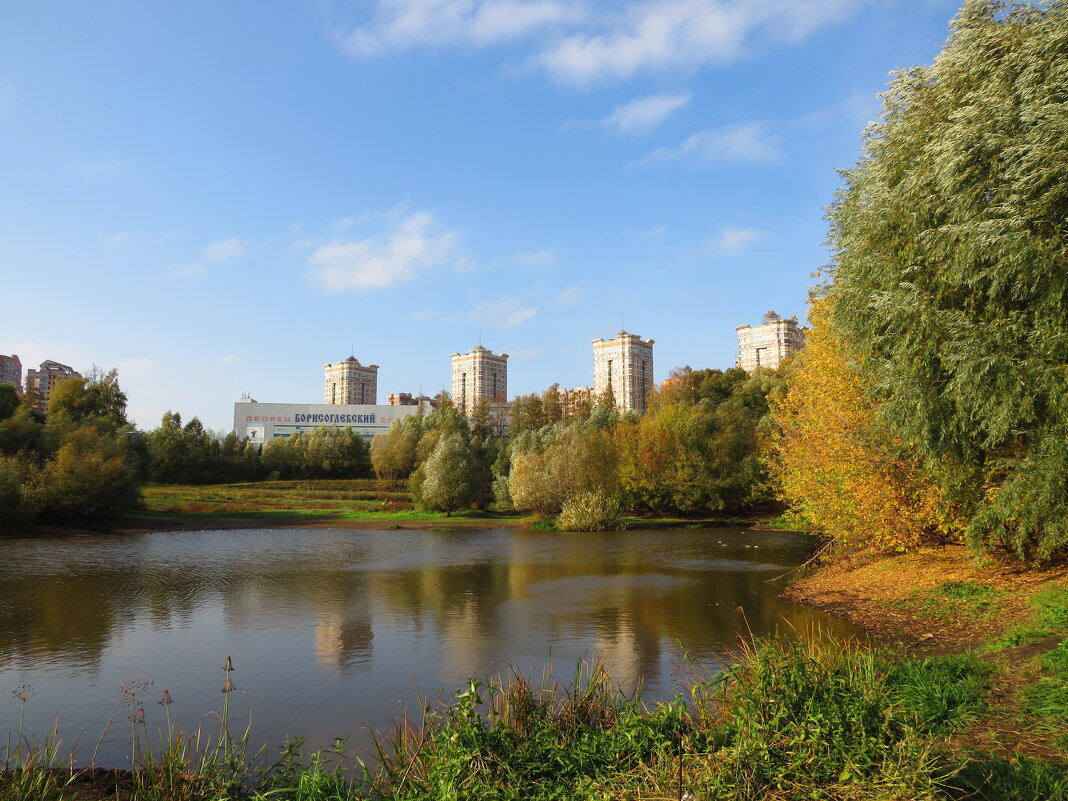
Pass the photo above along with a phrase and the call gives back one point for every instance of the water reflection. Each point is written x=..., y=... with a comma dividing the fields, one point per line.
x=330, y=629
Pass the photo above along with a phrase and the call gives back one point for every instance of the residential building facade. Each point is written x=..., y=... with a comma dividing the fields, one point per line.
x=350, y=382
x=479, y=374
x=768, y=344
x=11, y=371
x=43, y=380
x=624, y=366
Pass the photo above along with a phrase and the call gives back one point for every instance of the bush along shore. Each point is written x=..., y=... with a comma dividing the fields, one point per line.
x=792, y=718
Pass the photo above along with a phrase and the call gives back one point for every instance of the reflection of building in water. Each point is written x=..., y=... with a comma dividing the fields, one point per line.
x=344, y=640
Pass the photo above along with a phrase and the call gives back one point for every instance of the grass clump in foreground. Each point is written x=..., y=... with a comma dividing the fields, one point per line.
x=791, y=719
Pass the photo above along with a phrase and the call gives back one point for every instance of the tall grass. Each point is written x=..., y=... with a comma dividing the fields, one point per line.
x=791, y=719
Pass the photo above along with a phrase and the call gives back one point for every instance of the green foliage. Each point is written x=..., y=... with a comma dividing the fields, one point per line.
x=693, y=457
x=596, y=510
x=832, y=715
x=525, y=742
x=1047, y=699
x=89, y=478
x=950, y=279
x=557, y=463
x=965, y=600
x=9, y=400
x=21, y=431
x=448, y=476
x=79, y=465
x=1021, y=778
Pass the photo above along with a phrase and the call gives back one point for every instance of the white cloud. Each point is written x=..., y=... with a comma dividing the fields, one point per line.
x=503, y=312
x=645, y=113
x=682, y=34
x=379, y=263
x=399, y=25
x=582, y=41
x=735, y=239
x=99, y=169
x=115, y=240
x=567, y=296
x=534, y=257
x=224, y=250
x=188, y=270
x=747, y=141
x=229, y=358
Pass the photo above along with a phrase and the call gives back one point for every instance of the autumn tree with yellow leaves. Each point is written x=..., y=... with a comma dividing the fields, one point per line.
x=836, y=462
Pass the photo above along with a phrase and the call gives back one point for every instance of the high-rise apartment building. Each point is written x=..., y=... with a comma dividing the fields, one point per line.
x=768, y=344
x=44, y=379
x=350, y=382
x=624, y=365
x=11, y=371
x=478, y=374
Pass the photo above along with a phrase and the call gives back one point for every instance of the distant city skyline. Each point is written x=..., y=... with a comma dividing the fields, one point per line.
x=215, y=199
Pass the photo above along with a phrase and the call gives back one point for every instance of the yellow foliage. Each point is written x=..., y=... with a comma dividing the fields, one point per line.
x=835, y=461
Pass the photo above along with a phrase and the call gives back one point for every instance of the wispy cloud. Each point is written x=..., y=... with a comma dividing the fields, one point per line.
x=584, y=41
x=748, y=141
x=378, y=263
x=645, y=113
x=502, y=312
x=682, y=34
x=534, y=258
x=98, y=169
x=733, y=240
x=229, y=358
x=399, y=25
x=567, y=296
x=121, y=238
x=188, y=270
x=224, y=250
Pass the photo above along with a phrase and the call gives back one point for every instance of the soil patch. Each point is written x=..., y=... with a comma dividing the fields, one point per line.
x=936, y=600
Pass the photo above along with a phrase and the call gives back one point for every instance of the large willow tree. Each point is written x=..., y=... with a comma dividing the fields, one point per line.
x=950, y=274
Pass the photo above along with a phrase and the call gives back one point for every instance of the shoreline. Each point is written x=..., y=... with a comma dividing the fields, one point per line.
x=149, y=523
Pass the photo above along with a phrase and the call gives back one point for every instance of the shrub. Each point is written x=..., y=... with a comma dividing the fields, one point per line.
x=591, y=511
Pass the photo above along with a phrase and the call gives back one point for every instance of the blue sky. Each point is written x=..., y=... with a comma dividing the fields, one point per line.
x=218, y=197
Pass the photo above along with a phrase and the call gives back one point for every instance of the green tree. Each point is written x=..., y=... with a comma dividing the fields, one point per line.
x=89, y=478
x=21, y=432
x=950, y=269
x=9, y=400
x=449, y=481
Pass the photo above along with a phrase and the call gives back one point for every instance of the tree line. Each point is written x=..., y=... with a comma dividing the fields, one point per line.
x=931, y=402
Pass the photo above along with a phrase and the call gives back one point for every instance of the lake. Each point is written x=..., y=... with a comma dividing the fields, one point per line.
x=334, y=631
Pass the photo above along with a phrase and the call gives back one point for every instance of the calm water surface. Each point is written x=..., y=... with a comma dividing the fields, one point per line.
x=332, y=631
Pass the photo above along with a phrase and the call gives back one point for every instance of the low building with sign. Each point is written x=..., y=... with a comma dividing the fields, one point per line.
x=261, y=422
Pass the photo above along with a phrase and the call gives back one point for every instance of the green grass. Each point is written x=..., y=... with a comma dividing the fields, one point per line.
x=1047, y=699
x=967, y=600
x=359, y=499
x=1050, y=618
x=813, y=718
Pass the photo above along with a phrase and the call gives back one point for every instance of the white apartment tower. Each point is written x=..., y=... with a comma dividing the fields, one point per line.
x=350, y=382
x=624, y=365
x=478, y=374
x=768, y=344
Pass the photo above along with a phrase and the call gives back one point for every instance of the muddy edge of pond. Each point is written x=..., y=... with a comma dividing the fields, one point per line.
x=884, y=595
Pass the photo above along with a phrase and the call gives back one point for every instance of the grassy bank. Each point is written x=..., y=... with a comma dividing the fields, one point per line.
x=367, y=501
x=802, y=718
